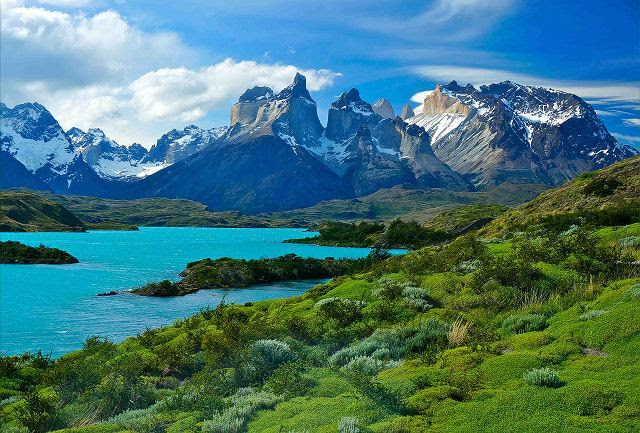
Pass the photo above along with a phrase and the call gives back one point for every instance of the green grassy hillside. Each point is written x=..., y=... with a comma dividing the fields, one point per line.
x=411, y=203
x=537, y=332
x=606, y=195
x=27, y=211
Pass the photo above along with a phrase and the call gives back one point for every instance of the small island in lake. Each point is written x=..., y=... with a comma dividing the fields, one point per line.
x=226, y=272
x=12, y=252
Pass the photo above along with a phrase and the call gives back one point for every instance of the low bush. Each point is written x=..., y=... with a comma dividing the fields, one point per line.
x=592, y=314
x=543, y=377
x=243, y=405
x=386, y=344
x=517, y=324
x=348, y=424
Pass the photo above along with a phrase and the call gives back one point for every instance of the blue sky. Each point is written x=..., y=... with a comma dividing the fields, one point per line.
x=139, y=68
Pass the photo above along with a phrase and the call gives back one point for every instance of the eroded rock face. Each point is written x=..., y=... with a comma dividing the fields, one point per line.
x=291, y=114
x=245, y=110
x=438, y=102
x=347, y=114
x=407, y=112
x=383, y=108
x=369, y=170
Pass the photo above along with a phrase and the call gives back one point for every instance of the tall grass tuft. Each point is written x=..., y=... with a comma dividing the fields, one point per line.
x=458, y=332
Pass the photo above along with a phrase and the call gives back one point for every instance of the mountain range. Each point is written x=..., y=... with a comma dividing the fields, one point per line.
x=277, y=155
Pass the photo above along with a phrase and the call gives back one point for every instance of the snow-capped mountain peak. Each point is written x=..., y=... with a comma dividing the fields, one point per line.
x=550, y=135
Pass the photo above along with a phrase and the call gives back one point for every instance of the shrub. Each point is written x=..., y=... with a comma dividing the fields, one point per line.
x=468, y=266
x=543, y=377
x=525, y=323
x=273, y=352
x=417, y=298
x=633, y=292
x=592, y=314
x=348, y=424
x=385, y=344
x=388, y=289
x=601, y=186
x=288, y=380
x=369, y=365
x=629, y=242
x=244, y=404
x=343, y=311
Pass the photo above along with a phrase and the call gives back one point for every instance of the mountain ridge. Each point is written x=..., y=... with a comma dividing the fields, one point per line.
x=465, y=138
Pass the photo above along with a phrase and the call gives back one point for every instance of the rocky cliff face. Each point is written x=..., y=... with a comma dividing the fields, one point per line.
x=382, y=107
x=407, y=112
x=262, y=163
x=291, y=114
x=347, y=114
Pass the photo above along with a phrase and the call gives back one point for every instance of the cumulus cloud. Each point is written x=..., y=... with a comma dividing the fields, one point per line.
x=67, y=50
x=100, y=70
x=190, y=93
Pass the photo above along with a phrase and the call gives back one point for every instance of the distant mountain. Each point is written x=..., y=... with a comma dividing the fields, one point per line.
x=277, y=155
x=507, y=131
x=407, y=112
x=82, y=162
x=13, y=174
x=261, y=163
x=106, y=157
x=176, y=145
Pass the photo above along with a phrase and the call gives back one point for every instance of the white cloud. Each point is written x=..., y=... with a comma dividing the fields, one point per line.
x=444, y=20
x=68, y=3
x=67, y=50
x=101, y=71
x=632, y=122
x=189, y=94
x=603, y=92
x=626, y=138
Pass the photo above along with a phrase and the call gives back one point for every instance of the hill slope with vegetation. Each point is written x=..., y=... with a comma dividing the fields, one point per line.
x=28, y=211
x=386, y=204
x=534, y=332
x=607, y=196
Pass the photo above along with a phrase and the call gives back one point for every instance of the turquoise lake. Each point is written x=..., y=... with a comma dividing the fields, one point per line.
x=55, y=308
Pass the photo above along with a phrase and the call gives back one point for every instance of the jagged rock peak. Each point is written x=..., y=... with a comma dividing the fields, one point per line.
x=439, y=102
x=297, y=89
x=97, y=132
x=407, y=112
x=348, y=98
x=256, y=93
x=75, y=134
x=383, y=108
